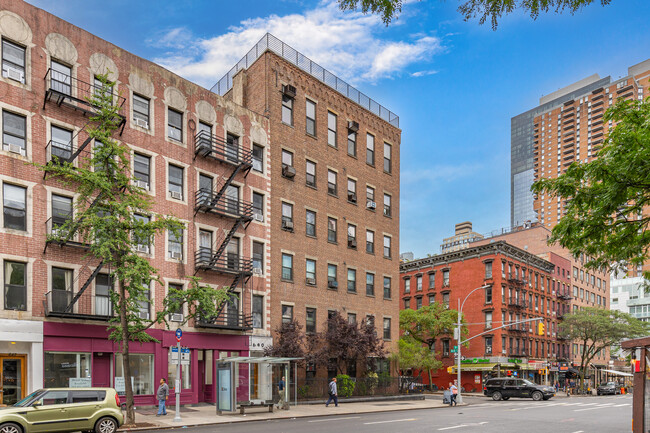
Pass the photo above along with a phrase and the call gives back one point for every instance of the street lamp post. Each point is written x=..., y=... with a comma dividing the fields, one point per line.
x=458, y=339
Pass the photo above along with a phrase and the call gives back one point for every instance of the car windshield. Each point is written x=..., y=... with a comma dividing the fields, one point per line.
x=608, y=384
x=27, y=400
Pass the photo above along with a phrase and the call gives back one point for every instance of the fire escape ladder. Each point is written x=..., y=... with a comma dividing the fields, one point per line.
x=90, y=279
x=226, y=184
x=226, y=241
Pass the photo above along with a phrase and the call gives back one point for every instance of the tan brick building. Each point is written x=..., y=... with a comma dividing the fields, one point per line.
x=334, y=179
x=191, y=150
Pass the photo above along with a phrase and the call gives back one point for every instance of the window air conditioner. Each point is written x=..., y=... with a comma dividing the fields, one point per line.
x=14, y=74
x=287, y=225
x=176, y=195
x=386, y=211
x=353, y=126
x=14, y=148
x=258, y=217
x=289, y=91
x=144, y=315
x=257, y=271
x=333, y=284
x=352, y=243
x=311, y=281
x=371, y=204
x=352, y=197
x=143, y=249
x=288, y=171
x=142, y=123
x=142, y=184
x=175, y=255
x=176, y=317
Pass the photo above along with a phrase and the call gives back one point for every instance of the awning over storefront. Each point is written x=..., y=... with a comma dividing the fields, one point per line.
x=618, y=373
x=258, y=359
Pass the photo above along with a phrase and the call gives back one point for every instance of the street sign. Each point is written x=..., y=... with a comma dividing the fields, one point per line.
x=179, y=334
x=185, y=356
x=454, y=350
x=174, y=354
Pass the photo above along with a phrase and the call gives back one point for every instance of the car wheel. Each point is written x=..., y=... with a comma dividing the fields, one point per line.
x=104, y=425
x=10, y=428
x=537, y=396
x=506, y=398
x=496, y=396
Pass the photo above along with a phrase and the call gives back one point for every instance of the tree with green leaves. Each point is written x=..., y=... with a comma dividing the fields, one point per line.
x=492, y=10
x=597, y=329
x=420, y=328
x=605, y=218
x=106, y=221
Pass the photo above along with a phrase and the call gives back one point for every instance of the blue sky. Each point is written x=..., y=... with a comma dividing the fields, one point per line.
x=454, y=84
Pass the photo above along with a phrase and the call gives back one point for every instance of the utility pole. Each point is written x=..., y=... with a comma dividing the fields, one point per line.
x=177, y=384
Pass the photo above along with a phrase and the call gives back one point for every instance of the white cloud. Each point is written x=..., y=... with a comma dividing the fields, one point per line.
x=424, y=73
x=348, y=44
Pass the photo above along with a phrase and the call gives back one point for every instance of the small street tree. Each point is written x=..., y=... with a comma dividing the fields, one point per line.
x=290, y=341
x=106, y=219
x=420, y=328
x=596, y=329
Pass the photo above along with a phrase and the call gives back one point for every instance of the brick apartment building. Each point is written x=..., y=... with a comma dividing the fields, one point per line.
x=334, y=178
x=521, y=286
x=200, y=157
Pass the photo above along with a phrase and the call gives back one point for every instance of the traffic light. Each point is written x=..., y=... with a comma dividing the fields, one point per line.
x=540, y=328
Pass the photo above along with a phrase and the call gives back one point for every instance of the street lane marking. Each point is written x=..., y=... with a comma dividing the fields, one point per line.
x=579, y=431
x=392, y=420
x=334, y=419
x=456, y=426
x=621, y=405
x=595, y=407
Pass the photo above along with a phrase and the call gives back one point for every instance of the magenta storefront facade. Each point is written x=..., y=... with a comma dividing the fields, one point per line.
x=82, y=355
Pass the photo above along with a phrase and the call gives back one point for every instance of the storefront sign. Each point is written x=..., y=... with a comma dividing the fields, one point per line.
x=515, y=361
x=475, y=361
x=79, y=382
x=120, y=385
x=477, y=378
x=260, y=343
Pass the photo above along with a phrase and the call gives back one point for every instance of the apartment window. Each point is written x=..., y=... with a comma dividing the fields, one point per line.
x=287, y=313
x=370, y=149
x=352, y=143
x=503, y=269
x=331, y=229
x=445, y=299
x=258, y=312
x=310, y=174
x=175, y=182
x=488, y=345
x=258, y=206
x=331, y=129
x=142, y=241
x=331, y=182
x=142, y=170
x=310, y=226
x=61, y=295
x=331, y=272
x=287, y=267
x=310, y=117
x=141, y=111
x=258, y=256
x=174, y=125
x=61, y=141
x=387, y=287
x=387, y=158
x=352, y=281
x=287, y=216
x=258, y=158
x=15, y=285
x=310, y=321
x=432, y=299
x=370, y=198
x=60, y=78
x=13, y=61
x=488, y=295
x=14, y=207
x=418, y=283
x=488, y=319
x=387, y=329
x=370, y=284
x=103, y=90
x=352, y=318
x=445, y=278
x=407, y=303
x=352, y=190
x=407, y=285
x=387, y=252
x=14, y=131
x=287, y=158
x=488, y=270
x=432, y=280
x=173, y=290
x=175, y=245
x=370, y=242
x=352, y=236
x=387, y=205
x=287, y=110
x=310, y=271
x=418, y=302
x=445, y=347
x=61, y=210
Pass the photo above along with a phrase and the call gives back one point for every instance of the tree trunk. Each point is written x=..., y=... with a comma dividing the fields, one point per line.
x=126, y=368
x=430, y=381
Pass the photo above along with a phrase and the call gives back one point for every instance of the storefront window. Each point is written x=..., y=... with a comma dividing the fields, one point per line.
x=61, y=367
x=186, y=382
x=142, y=369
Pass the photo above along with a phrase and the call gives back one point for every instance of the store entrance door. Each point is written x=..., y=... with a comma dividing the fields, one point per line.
x=101, y=370
x=13, y=382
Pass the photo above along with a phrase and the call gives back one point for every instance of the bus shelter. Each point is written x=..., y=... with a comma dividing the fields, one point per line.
x=246, y=381
x=640, y=349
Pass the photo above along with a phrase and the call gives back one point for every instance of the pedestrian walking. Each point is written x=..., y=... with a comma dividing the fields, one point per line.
x=454, y=393
x=333, y=392
x=281, y=385
x=161, y=395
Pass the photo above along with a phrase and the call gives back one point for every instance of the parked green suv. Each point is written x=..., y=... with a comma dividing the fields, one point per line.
x=64, y=410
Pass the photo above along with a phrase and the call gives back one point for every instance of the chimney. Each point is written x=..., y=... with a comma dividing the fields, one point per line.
x=238, y=84
x=462, y=228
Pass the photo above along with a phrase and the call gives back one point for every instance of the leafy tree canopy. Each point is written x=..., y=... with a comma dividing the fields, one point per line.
x=605, y=198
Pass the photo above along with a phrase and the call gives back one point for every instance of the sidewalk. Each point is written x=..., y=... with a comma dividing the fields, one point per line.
x=206, y=415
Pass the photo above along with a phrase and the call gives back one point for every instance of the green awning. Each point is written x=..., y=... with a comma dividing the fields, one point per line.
x=476, y=367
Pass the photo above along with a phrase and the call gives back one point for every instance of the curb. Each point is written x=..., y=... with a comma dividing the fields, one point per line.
x=165, y=427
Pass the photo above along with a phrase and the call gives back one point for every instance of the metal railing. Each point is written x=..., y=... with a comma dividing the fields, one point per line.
x=207, y=201
x=564, y=294
x=317, y=388
x=227, y=320
x=275, y=45
x=66, y=86
x=88, y=306
x=519, y=303
x=228, y=263
x=208, y=145
x=65, y=152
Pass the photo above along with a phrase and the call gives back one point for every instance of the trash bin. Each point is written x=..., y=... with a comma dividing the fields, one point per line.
x=446, y=396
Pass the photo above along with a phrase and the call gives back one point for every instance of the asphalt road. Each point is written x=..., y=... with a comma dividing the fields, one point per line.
x=605, y=414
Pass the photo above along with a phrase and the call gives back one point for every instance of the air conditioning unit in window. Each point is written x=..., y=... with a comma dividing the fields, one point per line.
x=287, y=225
x=371, y=204
x=144, y=315
x=176, y=255
x=386, y=211
x=14, y=74
x=176, y=317
x=257, y=271
x=14, y=148
x=142, y=123
x=503, y=350
x=311, y=281
x=288, y=171
x=352, y=197
x=142, y=184
x=332, y=284
x=488, y=350
x=352, y=243
x=176, y=195
x=258, y=217
x=143, y=249
x=353, y=126
x=289, y=91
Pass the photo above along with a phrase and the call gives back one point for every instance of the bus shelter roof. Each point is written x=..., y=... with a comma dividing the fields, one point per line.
x=258, y=359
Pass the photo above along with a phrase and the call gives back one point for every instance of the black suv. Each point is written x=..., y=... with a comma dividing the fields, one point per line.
x=502, y=388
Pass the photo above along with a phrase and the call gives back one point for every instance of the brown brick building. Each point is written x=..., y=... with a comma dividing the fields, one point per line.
x=334, y=179
x=196, y=155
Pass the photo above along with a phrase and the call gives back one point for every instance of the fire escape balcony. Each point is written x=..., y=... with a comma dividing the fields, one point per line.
x=66, y=304
x=229, y=152
x=206, y=259
x=62, y=233
x=59, y=153
x=517, y=353
x=64, y=90
x=227, y=319
x=210, y=202
x=518, y=329
x=516, y=279
x=516, y=303
x=564, y=295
